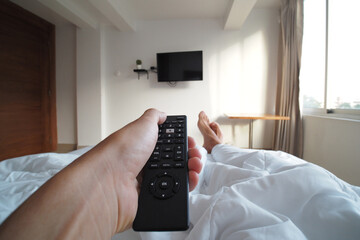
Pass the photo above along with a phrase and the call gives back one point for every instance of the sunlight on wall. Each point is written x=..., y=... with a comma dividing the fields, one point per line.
x=230, y=69
x=242, y=75
x=242, y=82
x=255, y=75
x=239, y=74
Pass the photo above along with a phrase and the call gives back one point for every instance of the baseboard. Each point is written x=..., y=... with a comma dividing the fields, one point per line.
x=80, y=147
x=65, y=148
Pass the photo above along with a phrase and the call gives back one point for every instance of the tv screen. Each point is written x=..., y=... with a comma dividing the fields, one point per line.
x=180, y=66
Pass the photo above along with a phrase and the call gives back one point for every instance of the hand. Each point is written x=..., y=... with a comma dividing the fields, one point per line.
x=96, y=195
x=127, y=152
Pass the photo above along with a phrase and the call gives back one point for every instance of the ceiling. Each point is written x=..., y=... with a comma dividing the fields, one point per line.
x=124, y=14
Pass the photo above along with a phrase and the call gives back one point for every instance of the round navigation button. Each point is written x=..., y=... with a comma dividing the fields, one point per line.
x=164, y=184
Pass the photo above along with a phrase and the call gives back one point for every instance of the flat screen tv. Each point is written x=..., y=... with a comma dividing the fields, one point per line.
x=179, y=66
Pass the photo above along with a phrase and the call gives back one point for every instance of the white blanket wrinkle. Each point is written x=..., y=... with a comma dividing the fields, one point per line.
x=241, y=194
x=258, y=194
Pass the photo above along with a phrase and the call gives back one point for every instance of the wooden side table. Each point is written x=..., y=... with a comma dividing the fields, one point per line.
x=252, y=117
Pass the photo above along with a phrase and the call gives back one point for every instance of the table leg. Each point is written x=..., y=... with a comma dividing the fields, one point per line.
x=251, y=134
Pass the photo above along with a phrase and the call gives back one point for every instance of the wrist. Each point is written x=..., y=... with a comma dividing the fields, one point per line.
x=97, y=199
x=118, y=183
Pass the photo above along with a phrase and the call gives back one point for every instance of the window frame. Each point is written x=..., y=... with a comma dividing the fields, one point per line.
x=325, y=111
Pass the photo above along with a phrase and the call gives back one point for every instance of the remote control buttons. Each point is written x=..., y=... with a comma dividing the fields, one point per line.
x=168, y=156
x=170, y=130
x=176, y=186
x=166, y=165
x=153, y=165
x=164, y=185
x=167, y=148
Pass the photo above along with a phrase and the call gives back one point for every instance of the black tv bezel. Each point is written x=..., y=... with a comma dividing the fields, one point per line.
x=181, y=80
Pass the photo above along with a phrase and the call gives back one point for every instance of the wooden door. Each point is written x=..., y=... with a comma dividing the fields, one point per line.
x=27, y=83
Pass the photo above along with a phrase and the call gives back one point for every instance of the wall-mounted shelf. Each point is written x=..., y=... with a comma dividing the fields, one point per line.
x=142, y=71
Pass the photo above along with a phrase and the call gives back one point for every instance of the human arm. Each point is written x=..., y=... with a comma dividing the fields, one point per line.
x=97, y=195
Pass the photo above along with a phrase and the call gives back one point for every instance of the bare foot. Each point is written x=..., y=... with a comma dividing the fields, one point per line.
x=211, y=132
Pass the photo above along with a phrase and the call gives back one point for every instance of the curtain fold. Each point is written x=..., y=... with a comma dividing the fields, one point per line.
x=288, y=135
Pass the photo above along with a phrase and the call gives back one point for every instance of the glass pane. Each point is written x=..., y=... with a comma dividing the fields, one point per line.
x=312, y=75
x=343, y=54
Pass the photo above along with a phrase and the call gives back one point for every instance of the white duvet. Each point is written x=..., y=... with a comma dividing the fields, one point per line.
x=242, y=194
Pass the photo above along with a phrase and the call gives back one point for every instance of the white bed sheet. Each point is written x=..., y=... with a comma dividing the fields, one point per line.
x=252, y=194
x=242, y=194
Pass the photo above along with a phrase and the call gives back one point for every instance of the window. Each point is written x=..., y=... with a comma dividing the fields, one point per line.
x=330, y=76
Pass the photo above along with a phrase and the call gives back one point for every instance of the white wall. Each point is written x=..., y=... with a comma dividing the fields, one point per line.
x=239, y=76
x=66, y=83
x=239, y=73
x=89, y=87
x=335, y=145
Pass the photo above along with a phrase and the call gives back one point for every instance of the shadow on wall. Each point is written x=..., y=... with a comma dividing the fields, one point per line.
x=235, y=131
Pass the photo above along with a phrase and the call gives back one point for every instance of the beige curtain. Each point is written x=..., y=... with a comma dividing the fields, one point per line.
x=288, y=134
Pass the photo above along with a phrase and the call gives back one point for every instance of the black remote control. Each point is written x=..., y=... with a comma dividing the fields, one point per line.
x=164, y=194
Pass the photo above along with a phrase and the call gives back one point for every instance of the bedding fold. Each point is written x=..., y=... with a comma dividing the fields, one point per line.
x=242, y=194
